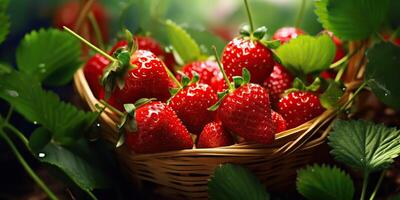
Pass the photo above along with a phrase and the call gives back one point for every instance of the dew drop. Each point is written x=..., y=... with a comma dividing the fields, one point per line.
x=42, y=155
x=386, y=94
x=12, y=93
x=35, y=122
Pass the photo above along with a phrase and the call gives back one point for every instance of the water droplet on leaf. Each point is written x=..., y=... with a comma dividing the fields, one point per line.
x=42, y=155
x=12, y=93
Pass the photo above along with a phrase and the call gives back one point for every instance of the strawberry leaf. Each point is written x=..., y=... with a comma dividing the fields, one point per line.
x=304, y=55
x=364, y=145
x=383, y=67
x=271, y=44
x=324, y=182
x=49, y=55
x=5, y=26
x=5, y=68
x=235, y=182
x=182, y=42
x=352, y=20
x=63, y=120
x=39, y=139
x=332, y=94
x=78, y=162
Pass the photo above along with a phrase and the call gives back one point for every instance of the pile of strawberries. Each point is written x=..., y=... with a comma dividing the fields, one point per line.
x=211, y=103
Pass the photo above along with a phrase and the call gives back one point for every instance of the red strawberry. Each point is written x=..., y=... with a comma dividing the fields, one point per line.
x=340, y=52
x=191, y=103
x=299, y=107
x=246, y=51
x=250, y=54
x=246, y=112
x=279, y=81
x=328, y=74
x=285, y=34
x=280, y=123
x=93, y=70
x=147, y=80
x=158, y=130
x=214, y=135
x=67, y=14
x=208, y=71
x=149, y=44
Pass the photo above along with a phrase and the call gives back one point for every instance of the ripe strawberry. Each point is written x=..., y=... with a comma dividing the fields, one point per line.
x=285, y=34
x=149, y=44
x=191, y=103
x=208, y=71
x=279, y=81
x=280, y=123
x=246, y=112
x=158, y=130
x=328, y=74
x=243, y=52
x=246, y=51
x=299, y=107
x=93, y=70
x=214, y=135
x=67, y=14
x=147, y=80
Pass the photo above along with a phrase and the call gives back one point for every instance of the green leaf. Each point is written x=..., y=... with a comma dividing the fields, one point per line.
x=383, y=66
x=63, y=120
x=235, y=182
x=324, y=182
x=271, y=44
x=352, y=20
x=306, y=54
x=185, y=80
x=238, y=81
x=5, y=68
x=330, y=98
x=5, y=26
x=182, y=42
x=75, y=162
x=246, y=75
x=39, y=139
x=364, y=145
x=260, y=32
x=50, y=55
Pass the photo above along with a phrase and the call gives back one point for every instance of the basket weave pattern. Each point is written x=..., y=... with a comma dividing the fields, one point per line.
x=185, y=173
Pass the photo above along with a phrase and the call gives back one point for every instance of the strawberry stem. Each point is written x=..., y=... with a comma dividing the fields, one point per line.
x=300, y=16
x=231, y=87
x=172, y=76
x=97, y=32
x=82, y=14
x=111, y=107
x=90, y=45
x=249, y=16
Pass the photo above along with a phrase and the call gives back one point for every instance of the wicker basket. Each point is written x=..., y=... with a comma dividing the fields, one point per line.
x=185, y=173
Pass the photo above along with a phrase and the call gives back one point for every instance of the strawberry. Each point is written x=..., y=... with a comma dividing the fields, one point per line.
x=246, y=51
x=244, y=108
x=246, y=112
x=285, y=34
x=208, y=71
x=299, y=107
x=93, y=70
x=158, y=129
x=280, y=123
x=214, y=135
x=146, y=79
x=328, y=74
x=279, y=81
x=67, y=14
x=190, y=104
x=149, y=44
x=388, y=37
